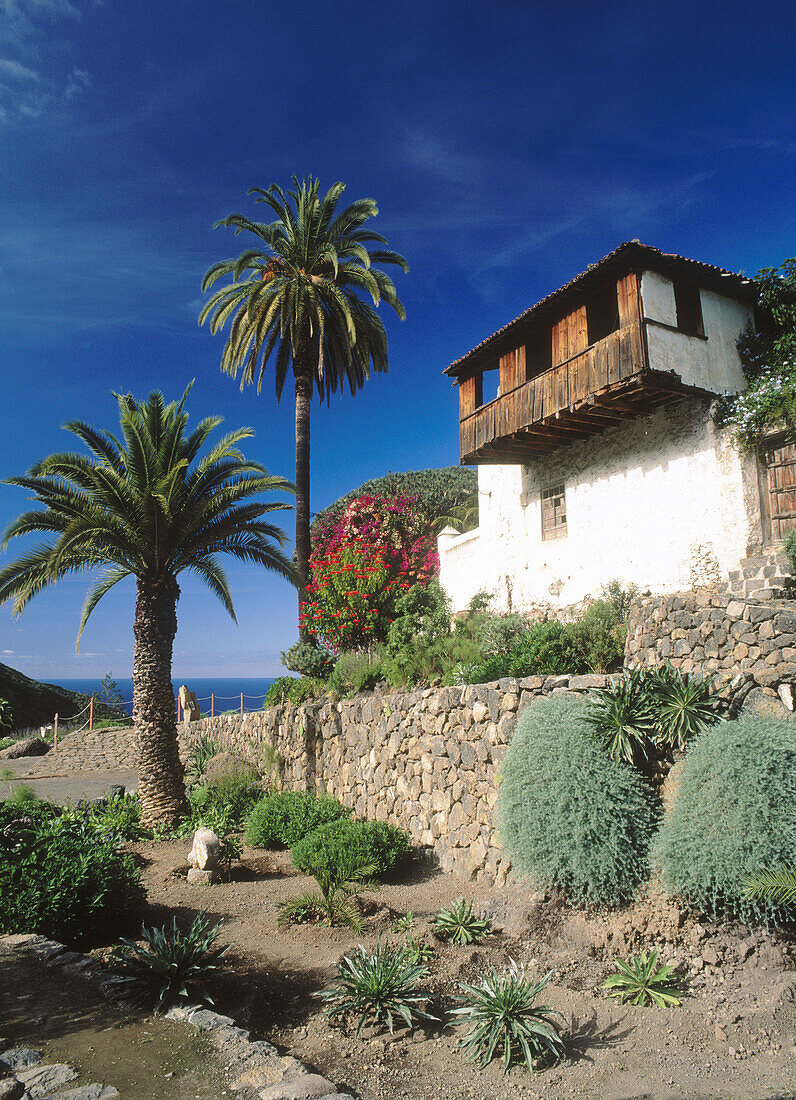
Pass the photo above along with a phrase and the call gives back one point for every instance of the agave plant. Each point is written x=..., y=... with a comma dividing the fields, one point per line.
x=640, y=981
x=379, y=986
x=171, y=964
x=779, y=886
x=335, y=900
x=624, y=717
x=457, y=924
x=503, y=1015
x=201, y=752
x=683, y=705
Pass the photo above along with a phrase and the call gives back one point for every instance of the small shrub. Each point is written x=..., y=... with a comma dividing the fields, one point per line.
x=230, y=791
x=6, y=716
x=287, y=689
x=457, y=924
x=568, y=814
x=544, y=648
x=61, y=877
x=118, y=815
x=734, y=813
x=502, y=1014
x=354, y=673
x=345, y=842
x=379, y=988
x=230, y=849
x=640, y=981
x=335, y=902
x=200, y=753
x=283, y=818
x=789, y=546
x=170, y=965
x=309, y=659
x=619, y=596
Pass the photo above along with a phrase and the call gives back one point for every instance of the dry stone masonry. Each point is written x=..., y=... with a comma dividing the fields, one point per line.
x=745, y=642
x=428, y=761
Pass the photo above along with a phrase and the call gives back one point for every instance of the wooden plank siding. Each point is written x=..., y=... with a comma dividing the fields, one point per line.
x=512, y=369
x=609, y=362
x=470, y=395
x=780, y=462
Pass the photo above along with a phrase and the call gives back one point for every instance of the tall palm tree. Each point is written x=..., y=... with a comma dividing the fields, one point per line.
x=296, y=294
x=147, y=505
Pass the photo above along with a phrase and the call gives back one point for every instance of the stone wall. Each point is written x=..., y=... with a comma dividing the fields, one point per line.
x=427, y=760
x=742, y=642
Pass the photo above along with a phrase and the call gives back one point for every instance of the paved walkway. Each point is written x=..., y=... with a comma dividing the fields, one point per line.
x=85, y=765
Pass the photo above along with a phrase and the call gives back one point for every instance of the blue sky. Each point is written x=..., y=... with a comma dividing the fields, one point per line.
x=508, y=146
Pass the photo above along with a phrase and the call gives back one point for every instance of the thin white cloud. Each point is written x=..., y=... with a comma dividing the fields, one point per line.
x=16, y=71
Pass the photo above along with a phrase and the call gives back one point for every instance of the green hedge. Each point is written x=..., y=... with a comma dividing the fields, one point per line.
x=63, y=878
x=280, y=820
x=569, y=815
x=733, y=814
x=356, y=842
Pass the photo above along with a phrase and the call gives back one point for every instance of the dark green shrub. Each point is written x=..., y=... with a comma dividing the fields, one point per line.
x=230, y=791
x=287, y=689
x=309, y=659
x=354, y=673
x=543, y=649
x=734, y=814
x=119, y=815
x=62, y=877
x=281, y=819
x=599, y=637
x=200, y=752
x=352, y=843
x=568, y=814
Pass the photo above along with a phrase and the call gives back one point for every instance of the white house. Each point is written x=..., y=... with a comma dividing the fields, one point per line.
x=598, y=458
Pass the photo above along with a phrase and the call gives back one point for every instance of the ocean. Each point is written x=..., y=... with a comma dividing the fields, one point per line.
x=227, y=691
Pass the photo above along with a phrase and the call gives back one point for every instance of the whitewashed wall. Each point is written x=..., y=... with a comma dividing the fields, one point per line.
x=711, y=362
x=661, y=501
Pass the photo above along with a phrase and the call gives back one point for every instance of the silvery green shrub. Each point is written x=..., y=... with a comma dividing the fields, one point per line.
x=733, y=815
x=569, y=815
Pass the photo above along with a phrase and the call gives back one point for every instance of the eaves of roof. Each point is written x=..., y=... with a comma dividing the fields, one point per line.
x=632, y=255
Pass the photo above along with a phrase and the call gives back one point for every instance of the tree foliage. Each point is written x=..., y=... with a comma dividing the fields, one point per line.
x=768, y=357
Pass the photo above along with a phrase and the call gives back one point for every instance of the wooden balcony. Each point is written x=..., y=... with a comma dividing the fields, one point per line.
x=596, y=389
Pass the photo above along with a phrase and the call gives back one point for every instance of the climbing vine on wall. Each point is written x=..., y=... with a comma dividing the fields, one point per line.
x=768, y=357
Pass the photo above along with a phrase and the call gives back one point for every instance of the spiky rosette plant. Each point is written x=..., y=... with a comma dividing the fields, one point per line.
x=640, y=981
x=378, y=987
x=458, y=926
x=170, y=964
x=503, y=1016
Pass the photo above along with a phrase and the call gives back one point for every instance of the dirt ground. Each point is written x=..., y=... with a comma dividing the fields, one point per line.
x=69, y=1021
x=733, y=1038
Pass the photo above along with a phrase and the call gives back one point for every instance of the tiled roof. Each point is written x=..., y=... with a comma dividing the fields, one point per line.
x=628, y=256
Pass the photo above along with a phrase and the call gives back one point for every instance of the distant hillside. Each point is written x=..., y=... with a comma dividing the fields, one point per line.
x=34, y=704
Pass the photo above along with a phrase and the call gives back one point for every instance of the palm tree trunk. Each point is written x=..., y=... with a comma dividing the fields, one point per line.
x=303, y=398
x=161, y=783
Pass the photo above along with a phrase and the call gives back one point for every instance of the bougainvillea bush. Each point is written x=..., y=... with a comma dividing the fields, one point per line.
x=361, y=563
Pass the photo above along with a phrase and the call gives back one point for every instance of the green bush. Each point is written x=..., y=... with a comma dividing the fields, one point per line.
x=354, y=673
x=734, y=814
x=62, y=877
x=287, y=689
x=568, y=814
x=438, y=492
x=119, y=815
x=309, y=659
x=360, y=843
x=281, y=819
x=230, y=791
x=544, y=648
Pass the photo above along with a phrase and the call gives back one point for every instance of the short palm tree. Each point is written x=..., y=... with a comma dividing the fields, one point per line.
x=148, y=506
x=297, y=294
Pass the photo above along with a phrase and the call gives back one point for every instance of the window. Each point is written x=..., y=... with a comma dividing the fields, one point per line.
x=602, y=313
x=538, y=353
x=554, y=512
x=689, y=308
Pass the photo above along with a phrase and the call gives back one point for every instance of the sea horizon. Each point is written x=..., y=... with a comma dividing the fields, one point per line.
x=226, y=690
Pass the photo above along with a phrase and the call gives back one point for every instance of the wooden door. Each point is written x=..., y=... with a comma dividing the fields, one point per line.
x=779, y=460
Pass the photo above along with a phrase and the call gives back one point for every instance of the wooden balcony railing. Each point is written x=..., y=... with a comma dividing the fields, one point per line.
x=599, y=387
